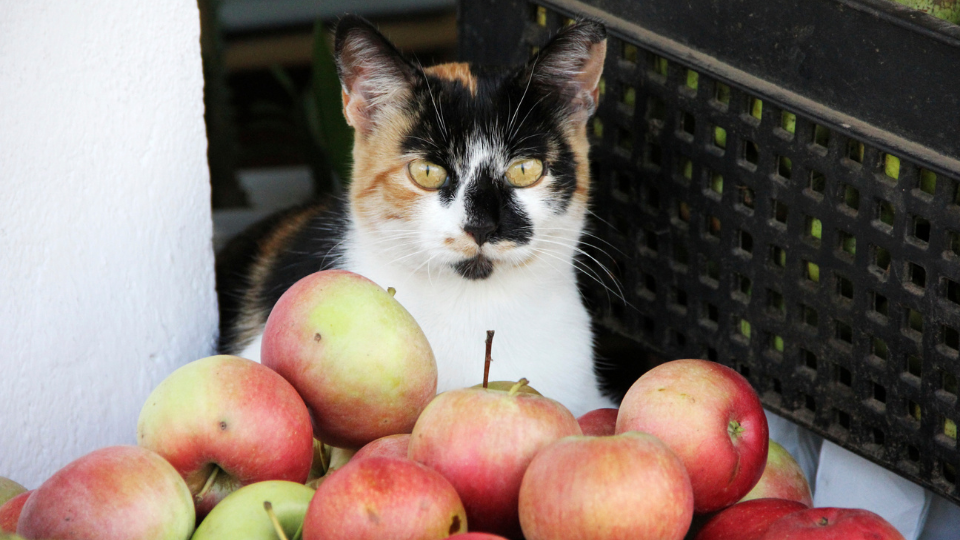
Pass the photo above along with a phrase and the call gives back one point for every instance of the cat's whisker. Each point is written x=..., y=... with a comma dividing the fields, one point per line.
x=585, y=270
x=585, y=233
x=524, y=95
x=516, y=129
x=443, y=125
x=408, y=255
x=619, y=292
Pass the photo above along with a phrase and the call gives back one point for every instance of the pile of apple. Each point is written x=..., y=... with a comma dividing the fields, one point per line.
x=339, y=434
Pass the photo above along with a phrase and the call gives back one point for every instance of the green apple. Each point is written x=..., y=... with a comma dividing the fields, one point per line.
x=242, y=515
x=9, y=489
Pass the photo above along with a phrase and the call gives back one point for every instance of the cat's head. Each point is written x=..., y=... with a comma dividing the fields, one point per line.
x=466, y=169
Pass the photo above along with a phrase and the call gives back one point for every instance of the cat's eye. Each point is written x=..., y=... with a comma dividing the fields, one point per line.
x=426, y=174
x=524, y=172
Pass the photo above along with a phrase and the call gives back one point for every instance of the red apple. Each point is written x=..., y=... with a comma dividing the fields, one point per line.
x=478, y=536
x=711, y=417
x=114, y=493
x=381, y=498
x=10, y=512
x=389, y=446
x=782, y=479
x=599, y=422
x=832, y=524
x=482, y=440
x=358, y=358
x=620, y=487
x=224, y=422
x=747, y=520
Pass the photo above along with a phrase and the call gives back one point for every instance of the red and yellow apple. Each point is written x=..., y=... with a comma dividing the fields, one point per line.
x=482, y=440
x=10, y=512
x=114, y=493
x=832, y=524
x=619, y=487
x=358, y=358
x=747, y=520
x=599, y=422
x=381, y=498
x=711, y=417
x=782, y=479
x=390, y=446
x=224, y=422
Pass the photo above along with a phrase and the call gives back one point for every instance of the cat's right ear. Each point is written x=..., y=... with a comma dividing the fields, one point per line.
x=373, y=73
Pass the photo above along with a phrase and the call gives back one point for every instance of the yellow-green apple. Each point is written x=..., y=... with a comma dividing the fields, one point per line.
x=832, y=524
x=358, y=358
x=711, y=417
x=782, y=479
x=224, y=422
x=114, y=493
x=9, y=489
x=482, y=440
x=381, y=498
x=10, y=512
x=627, y=486
x=389, y=446
x=747, y=520
x=599, y=422
x=241, y=514
x=507, y=385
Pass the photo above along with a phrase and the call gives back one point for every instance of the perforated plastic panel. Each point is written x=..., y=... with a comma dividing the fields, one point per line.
x=816, y=252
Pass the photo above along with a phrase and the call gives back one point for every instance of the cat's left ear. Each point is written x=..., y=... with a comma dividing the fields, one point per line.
x=570, y=66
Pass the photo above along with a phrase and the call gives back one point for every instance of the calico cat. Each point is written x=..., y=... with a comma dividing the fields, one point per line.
x=469, y=196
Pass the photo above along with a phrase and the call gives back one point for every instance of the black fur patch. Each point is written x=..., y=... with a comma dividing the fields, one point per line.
x=520, y=119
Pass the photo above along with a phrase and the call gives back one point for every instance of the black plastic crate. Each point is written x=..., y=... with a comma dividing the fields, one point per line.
x=779, y=183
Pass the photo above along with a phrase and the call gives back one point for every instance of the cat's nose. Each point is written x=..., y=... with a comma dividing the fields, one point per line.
x=480, y=230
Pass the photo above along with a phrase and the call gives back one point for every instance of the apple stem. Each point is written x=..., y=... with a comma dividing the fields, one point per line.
x=734, y=429
x=208, y=484
x=391, y=291
x=487, y=359
x=299, y=534
x=318, y=449
x=273, y=519
x=520, y=384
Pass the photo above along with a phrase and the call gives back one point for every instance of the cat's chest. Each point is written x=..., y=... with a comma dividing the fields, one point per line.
x=542, y=331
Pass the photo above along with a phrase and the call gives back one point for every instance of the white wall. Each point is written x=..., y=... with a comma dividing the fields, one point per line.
x=106, y=265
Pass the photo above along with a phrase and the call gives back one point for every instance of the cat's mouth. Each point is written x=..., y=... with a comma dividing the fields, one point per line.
x=478, y=267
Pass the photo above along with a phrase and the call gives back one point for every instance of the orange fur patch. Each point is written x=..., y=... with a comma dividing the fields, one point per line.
x=380, y=189
x=457, y=72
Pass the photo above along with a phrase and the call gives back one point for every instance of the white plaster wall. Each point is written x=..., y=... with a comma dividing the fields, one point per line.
x=106, y=264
